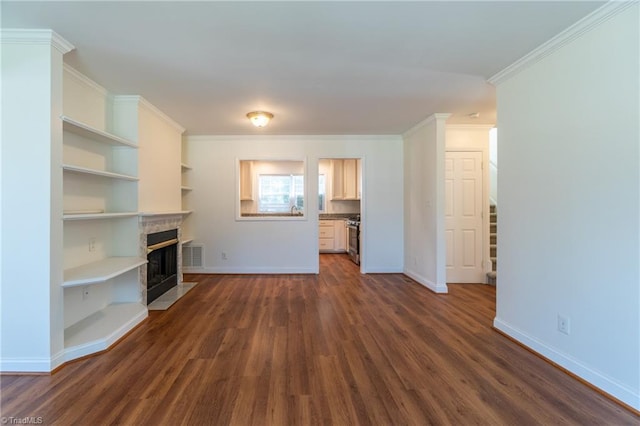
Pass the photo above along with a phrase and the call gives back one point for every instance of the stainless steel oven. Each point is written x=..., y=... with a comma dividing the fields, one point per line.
x=353, y=227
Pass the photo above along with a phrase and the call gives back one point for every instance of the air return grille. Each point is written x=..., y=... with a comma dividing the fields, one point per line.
x=192, y=256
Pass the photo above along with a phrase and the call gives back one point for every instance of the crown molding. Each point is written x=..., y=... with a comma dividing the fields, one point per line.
x=343, y=138
x=85, y=80
x=142, y=102
x=24, y=36
x=432, y=118
x=586, y=24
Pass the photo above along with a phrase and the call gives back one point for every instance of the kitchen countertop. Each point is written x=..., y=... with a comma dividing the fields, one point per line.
x=271, y=215
x=336, y=216
x=322, y=216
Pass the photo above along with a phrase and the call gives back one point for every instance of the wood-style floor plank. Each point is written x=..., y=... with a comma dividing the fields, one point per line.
x=338, y=348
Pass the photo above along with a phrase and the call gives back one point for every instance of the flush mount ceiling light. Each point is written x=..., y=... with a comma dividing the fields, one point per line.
x=259, y=118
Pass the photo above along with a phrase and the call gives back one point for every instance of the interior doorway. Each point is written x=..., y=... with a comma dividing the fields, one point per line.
x=339, y=207
x=464, y=222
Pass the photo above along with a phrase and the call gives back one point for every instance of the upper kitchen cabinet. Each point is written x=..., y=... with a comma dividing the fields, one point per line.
x=346, y=178
x=246, y=180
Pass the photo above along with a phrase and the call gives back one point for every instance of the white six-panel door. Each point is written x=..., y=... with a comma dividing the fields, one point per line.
x=463, y=216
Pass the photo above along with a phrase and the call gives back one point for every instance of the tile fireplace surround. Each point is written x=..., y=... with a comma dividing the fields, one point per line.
x=150, y=224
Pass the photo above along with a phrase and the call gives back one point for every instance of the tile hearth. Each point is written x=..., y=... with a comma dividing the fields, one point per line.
x=163, y=302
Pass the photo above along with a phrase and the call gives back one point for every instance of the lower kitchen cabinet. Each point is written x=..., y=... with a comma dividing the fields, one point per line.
x=332, y=236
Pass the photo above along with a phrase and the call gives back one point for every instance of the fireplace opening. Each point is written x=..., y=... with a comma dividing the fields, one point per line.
x=162, y=266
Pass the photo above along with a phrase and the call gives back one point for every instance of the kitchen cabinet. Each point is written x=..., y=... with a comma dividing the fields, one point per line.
x=337, y=179
x=346, y=179
x=340, y=239
x=326, y=235
x=246, y=180
x=350, y=180
x=332, y=236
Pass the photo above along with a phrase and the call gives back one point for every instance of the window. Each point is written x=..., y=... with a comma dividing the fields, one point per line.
x=280, y=193
x=322, y=191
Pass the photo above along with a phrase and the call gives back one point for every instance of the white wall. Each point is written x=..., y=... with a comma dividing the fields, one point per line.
x=84, y=100
x=424, y=237
x=292, y=246
x=569, y=206
x=31, y=222
x=159, y=162
x=468, y=137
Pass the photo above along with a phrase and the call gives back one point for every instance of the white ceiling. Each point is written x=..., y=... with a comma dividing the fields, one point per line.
x=320, y=67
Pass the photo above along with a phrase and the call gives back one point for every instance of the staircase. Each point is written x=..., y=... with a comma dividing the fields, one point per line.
x=493, y=253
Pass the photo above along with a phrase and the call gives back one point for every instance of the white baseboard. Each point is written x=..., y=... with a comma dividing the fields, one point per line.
x=57, y=360
x=607, y=384
x=46, y=365
x=384, y=270
x=245, y=270
x=98, y=345
x=436, y=288
x=249, y=270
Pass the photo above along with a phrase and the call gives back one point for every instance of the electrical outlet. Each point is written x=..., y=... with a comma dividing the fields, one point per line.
x=92, y=244
x=85, y=293
x=223, y=255
x=564, y=324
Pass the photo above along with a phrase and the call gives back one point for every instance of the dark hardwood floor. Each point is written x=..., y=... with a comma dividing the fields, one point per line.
x=339, y=348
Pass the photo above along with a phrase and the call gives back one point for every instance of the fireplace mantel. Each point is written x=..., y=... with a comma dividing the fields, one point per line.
x=159, y=214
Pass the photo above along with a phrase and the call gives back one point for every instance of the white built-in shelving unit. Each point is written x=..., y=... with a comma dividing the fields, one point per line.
x=101, y=270
x=86, y=131
x=186, y=189
x=76, y=169
x=102, y=299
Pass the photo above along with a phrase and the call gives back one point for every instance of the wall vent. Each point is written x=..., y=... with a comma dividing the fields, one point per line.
x=192, y=256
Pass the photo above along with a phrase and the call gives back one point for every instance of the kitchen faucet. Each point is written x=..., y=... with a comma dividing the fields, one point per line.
x=294, y=209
